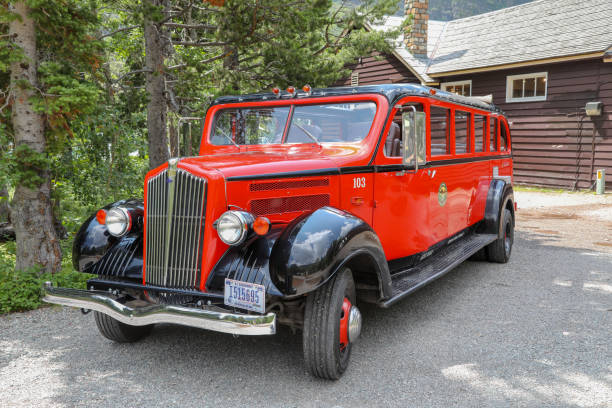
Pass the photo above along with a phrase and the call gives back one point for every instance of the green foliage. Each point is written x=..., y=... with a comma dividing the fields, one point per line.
x=21, y=290
x=91, y=91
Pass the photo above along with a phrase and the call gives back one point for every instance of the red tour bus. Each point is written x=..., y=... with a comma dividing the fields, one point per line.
x=300, y=206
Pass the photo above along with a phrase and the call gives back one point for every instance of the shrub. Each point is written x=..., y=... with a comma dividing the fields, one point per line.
x=22, y=290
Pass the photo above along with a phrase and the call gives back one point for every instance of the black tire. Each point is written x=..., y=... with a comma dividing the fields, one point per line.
x=500, y=250
x=323, y=354
x=114, y=330
x=479, y=256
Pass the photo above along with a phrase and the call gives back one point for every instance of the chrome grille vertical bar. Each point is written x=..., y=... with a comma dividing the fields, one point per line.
x=189, y=265
x=161, y=205
x=179, y=241
x=201, y=197
x=170, y=213
x=185, y=236
x=159, y=202
x=148, y=224
x=163, y=185
x=152, y=225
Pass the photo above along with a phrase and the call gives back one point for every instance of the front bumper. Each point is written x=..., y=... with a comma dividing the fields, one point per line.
x=203, y=318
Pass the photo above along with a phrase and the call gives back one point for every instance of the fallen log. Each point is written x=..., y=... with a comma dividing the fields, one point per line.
x=7, y=232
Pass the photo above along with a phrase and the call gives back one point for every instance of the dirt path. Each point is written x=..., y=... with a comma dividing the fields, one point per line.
x=576, y=220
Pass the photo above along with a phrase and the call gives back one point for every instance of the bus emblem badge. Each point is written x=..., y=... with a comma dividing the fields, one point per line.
x=442, y=193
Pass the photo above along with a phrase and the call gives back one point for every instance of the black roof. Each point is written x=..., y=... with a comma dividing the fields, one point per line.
x=391, y=91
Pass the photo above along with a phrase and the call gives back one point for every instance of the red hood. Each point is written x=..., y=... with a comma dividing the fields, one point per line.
x=257, y=163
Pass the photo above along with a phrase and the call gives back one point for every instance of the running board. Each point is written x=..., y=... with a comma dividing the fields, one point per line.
x=437, y=265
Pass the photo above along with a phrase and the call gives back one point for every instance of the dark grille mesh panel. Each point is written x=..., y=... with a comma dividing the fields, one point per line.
x=282, y=185
x=175, y=230
x=289, y=204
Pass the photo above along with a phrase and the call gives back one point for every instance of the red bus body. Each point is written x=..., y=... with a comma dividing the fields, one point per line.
x=402, y=208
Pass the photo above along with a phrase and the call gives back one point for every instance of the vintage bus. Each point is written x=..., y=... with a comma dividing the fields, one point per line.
x=302, y=205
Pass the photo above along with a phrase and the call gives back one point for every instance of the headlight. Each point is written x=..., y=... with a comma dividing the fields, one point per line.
x=233, y=226
x=118, y=221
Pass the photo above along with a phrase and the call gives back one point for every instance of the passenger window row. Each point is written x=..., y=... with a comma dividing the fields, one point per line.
x=439, y=123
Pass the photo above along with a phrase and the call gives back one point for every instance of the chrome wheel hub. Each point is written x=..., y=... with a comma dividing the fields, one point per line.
x=354, y=324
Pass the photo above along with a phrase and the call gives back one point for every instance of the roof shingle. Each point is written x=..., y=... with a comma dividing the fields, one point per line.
x=533, y=31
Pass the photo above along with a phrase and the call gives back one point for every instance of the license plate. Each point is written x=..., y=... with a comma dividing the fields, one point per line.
x=245, y=295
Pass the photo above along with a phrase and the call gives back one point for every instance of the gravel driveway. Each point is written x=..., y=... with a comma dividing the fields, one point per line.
x=534, y=332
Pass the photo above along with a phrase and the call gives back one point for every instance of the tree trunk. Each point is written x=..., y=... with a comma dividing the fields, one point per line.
x=4, y=209
x=156, y=109
x=31, y=209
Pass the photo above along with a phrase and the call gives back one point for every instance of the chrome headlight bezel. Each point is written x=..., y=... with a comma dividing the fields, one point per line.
x=238, y=221
x=118, y=221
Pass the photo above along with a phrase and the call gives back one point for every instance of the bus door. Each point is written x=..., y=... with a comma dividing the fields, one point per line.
x=401, y=196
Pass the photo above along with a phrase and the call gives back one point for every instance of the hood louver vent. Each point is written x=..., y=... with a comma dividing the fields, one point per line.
x=283, y=185
x=268, y=206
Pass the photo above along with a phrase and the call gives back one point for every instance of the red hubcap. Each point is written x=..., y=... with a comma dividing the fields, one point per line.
x=344, y=318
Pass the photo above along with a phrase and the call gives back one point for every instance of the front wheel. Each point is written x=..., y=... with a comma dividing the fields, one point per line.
x=500, y=249
x=114, y=330
x=332, y=323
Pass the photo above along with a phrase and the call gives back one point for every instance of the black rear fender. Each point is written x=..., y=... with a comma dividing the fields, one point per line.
x=499, y=198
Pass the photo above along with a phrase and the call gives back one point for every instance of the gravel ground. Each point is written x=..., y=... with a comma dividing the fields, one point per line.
x=534, y=332
x=567, y=220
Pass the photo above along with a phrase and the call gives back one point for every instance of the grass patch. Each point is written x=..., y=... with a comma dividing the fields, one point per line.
x=549, y=190
x=22, y=290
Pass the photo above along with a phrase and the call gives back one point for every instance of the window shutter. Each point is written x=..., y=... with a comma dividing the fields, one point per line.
x=355, y=79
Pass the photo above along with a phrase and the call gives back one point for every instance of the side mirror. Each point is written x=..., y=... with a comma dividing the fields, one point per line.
x=414, y=138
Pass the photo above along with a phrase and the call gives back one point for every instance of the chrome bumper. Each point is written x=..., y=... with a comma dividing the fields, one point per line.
x=234, y=323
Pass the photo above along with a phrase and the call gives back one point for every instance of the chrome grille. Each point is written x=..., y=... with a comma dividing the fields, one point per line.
x=176, y=201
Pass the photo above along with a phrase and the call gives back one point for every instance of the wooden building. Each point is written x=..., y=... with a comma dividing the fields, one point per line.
x=541, y=61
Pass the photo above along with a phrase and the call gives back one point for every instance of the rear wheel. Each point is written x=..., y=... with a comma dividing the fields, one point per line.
x=332, y=323
x=500, y=249
x=114, y=330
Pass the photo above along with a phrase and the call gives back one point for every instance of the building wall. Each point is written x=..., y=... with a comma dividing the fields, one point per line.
x=378, y=68
x=554, y=143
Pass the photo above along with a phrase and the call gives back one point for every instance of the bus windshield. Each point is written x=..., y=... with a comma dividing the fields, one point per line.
x=328, y=123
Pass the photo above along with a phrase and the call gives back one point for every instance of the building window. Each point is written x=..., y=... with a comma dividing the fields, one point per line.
x=355, y=79
x=525, y=88
x=463, y=88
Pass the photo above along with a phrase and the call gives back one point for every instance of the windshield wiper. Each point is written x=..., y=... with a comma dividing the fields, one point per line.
x=310, y=135
x=229, y=138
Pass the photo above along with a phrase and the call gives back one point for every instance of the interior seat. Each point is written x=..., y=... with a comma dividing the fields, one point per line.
x=393, y=142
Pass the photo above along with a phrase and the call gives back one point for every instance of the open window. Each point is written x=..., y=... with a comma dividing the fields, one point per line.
x=394, y=141
x=462, y=132
x=503, y=139
x=493, y=127
x=480, y=132
x=439, y=122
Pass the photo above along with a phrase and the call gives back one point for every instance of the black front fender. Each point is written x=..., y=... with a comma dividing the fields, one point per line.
x=313, y=247
x=96, y=251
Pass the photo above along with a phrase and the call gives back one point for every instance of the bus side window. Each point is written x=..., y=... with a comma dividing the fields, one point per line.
x=394, y=142
x=440, y=130
x=462, y=132
x=492, y=134
x=480, y=131
x=504, y=137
